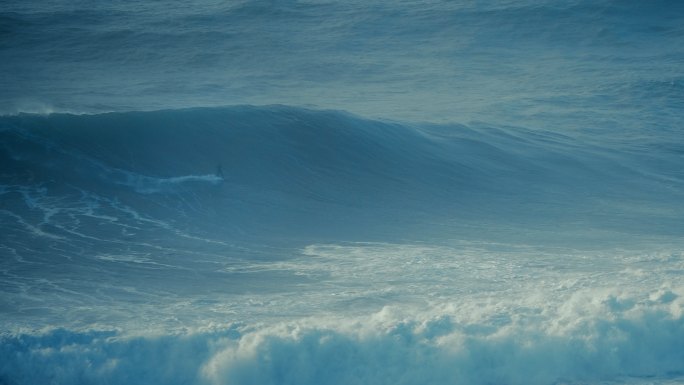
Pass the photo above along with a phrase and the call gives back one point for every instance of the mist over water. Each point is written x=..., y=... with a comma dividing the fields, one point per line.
x=342, y=192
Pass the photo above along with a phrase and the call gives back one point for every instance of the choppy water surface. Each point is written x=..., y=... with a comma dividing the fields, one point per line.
x=311, y=192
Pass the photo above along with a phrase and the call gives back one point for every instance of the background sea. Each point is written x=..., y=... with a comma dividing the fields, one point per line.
x=342, y=192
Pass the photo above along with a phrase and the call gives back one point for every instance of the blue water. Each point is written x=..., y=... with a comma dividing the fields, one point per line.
x=322, y=192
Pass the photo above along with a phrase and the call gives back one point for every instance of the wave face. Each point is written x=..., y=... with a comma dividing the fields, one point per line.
x=285, y=171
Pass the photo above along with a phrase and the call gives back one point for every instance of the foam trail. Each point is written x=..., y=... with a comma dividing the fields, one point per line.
x=149, y=185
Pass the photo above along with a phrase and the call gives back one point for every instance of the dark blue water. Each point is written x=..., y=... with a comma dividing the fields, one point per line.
x=319, y=192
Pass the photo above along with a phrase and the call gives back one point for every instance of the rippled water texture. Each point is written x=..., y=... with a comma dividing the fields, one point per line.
x=319, y=192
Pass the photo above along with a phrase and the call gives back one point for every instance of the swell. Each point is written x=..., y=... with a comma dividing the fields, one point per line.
x=225, y=53
x=270, y=166
x=272, y=148
x=281, y=145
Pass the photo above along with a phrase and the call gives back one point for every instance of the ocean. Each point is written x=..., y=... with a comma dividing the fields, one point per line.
x=342, y=192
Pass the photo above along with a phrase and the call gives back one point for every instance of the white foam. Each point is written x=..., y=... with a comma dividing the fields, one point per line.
x=593, y=337
x=151, y=185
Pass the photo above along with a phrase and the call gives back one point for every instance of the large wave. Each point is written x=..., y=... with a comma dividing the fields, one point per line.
x=309, y=166
x=285, y=245
x=190, y=219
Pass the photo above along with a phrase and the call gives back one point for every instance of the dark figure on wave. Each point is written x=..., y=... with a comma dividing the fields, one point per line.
x=219, y=172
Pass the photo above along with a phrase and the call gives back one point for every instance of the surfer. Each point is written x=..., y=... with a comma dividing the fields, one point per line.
x=219, y=172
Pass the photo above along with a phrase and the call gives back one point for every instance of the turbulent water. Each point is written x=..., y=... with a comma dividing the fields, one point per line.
x=342, y=192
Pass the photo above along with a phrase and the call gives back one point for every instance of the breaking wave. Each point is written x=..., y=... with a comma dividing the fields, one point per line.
x=592, y=337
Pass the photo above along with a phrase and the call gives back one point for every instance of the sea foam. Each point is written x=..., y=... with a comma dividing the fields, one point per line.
x=594, y=336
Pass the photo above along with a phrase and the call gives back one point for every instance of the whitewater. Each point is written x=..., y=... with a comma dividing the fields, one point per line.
x=342, y=192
